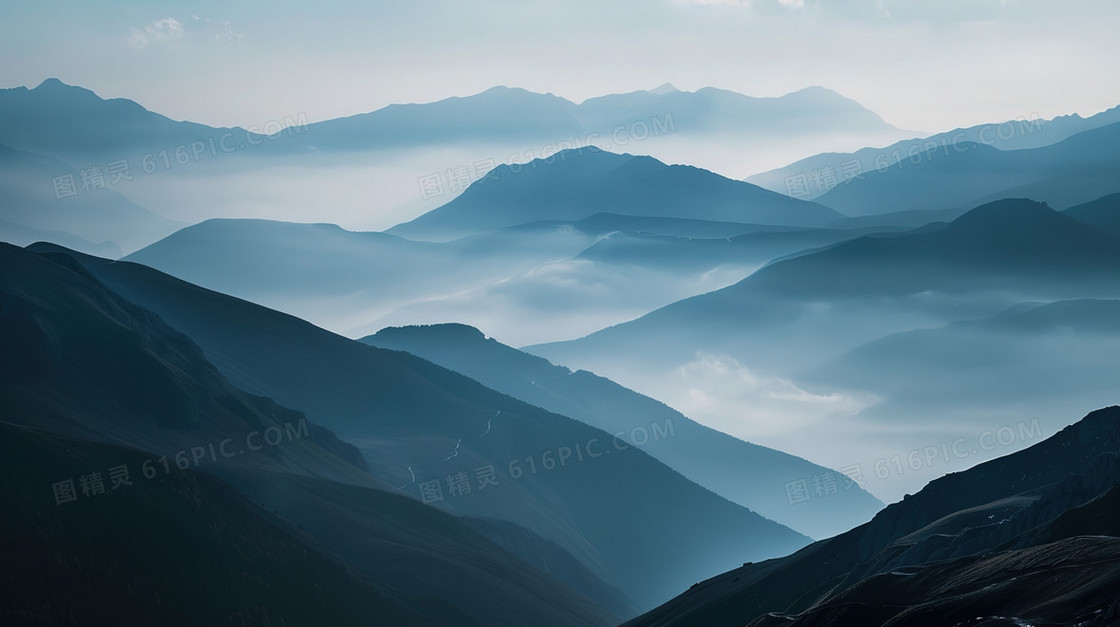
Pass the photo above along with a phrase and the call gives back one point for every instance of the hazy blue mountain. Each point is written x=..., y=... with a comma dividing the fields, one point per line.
x=1078, y=169
x=78, y=126
x=501, y=114
x=416, y=422
x=748, y=474
x=607, y=223
x=679, y=255
x=710, y=110
x=1002, y=244
x=81, y=361
x=348, y=280
x=720, y=355
x=998, y=540
x=496, y=115
x=67, y=121
x=570, y=277
x=576, y=184
x=900, y=219
x=19, y=235
x=1009, y=135
x=1103, y=213
x=97, y=218
x=994, y=256
x=310, y=172
x=263, y=258
x=1066, y=349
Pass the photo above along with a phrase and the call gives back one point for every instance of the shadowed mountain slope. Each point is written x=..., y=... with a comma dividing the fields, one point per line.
x=751, y=475
x=80, y=361
x=1022, y=536
x=416, y=423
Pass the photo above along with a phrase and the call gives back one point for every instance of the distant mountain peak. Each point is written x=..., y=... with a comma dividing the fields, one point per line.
x=55, y=87
x=521, y=92
x=666, y=88
x=821, y=95
x=52, y=83
x=442, y=331
x=816, y=89
x=505, y=89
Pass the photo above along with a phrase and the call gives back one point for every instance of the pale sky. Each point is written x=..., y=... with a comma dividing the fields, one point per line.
x=926, y=65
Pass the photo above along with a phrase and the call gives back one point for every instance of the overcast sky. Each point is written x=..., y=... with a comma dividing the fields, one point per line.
x=922, y=64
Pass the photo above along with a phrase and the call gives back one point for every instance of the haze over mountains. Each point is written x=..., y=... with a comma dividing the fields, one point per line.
x=710, y=458
x=766, y=333
x=415, y=156
x=816, y=175
x=1070, y=172
x=415, y=422
x=509, y=248
x=104, y=223
x=84, y=368
x=715, y=372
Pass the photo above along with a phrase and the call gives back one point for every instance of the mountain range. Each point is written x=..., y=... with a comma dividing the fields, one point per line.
x=716, y=375
x=146, y=426
x=66, y=121
x=416, y=423
x=39, y=205
x=786, y=340
x=1017, y=246
x=509, y=247
x=1033, y=132
x=503, y=113
x=1075, y=170
x=710, y=458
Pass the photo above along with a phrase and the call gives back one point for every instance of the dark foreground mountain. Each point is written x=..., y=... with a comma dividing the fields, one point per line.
x=418, y=424
x=115, y=417
x=751, y=475
x=181, y=548
x=1030, y=538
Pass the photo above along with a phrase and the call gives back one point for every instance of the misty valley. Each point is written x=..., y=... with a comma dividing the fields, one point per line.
x=652, y=358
